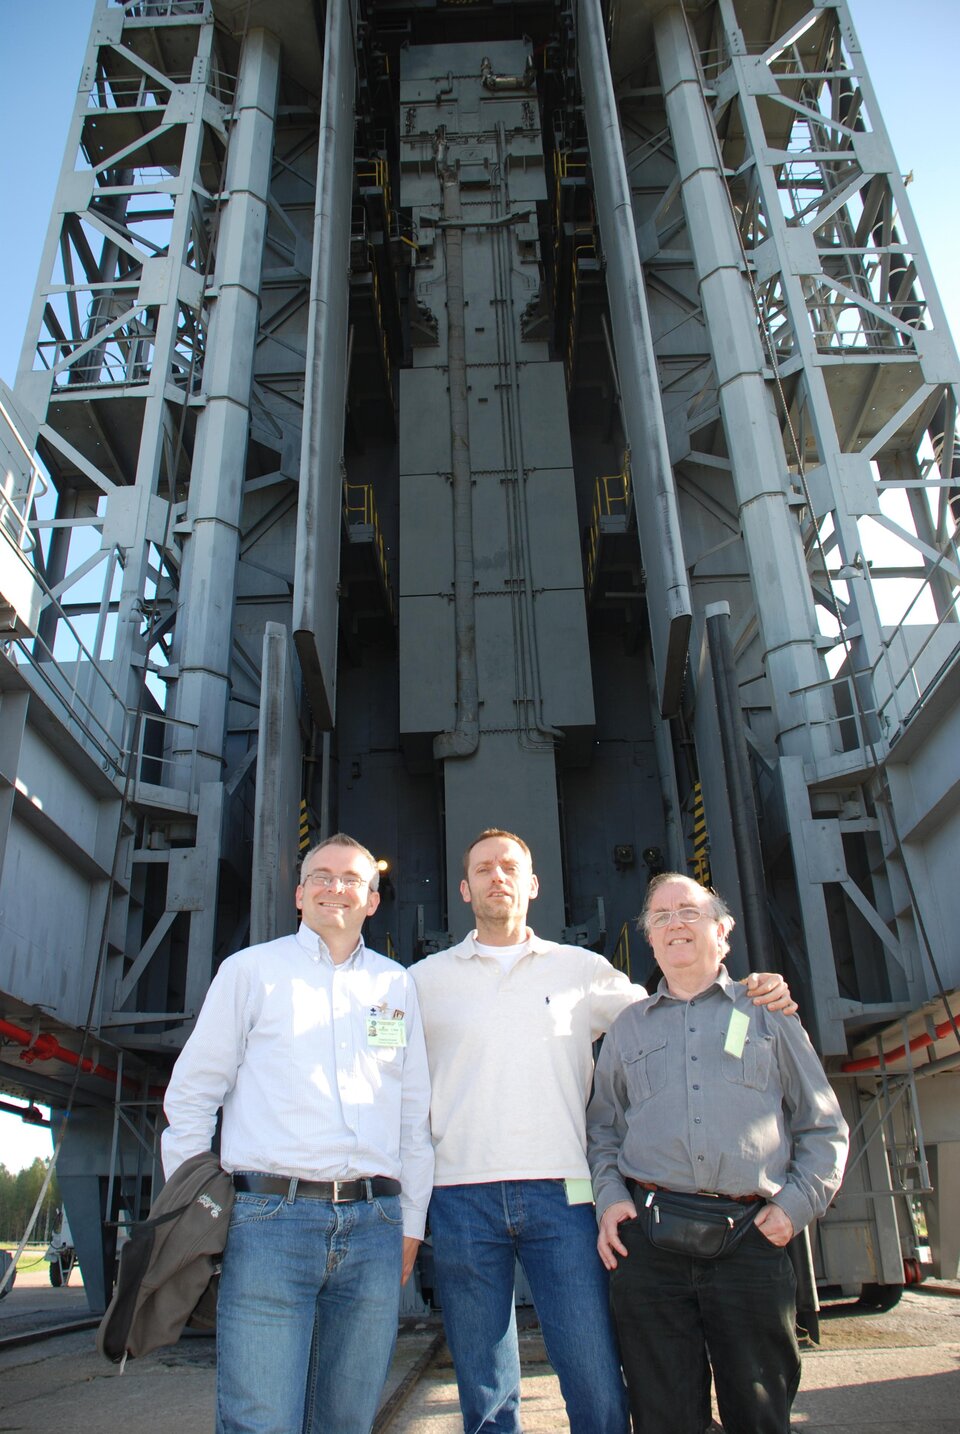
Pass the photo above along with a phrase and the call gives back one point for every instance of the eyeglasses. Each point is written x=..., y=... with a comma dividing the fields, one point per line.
x=327, y=881
x=687, y=914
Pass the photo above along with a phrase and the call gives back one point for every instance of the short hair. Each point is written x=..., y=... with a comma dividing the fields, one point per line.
x=494, y=832
x=721, y=911
x=341, y=839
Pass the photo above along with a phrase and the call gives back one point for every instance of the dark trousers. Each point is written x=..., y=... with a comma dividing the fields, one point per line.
x=677, y=1317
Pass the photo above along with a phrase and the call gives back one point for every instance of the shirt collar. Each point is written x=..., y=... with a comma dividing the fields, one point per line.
x=723, y=981
x=468, y=946
x=318, y=950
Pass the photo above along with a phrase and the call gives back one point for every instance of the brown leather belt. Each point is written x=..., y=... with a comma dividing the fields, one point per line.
x=707, y=1194
x=339, y=1191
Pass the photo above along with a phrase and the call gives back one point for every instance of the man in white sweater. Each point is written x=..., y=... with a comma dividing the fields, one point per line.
x=510, y=1022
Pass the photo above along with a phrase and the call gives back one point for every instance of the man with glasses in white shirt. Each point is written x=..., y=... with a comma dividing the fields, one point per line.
x=312, y=1045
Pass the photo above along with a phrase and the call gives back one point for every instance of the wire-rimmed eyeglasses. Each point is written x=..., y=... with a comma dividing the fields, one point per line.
x=327, y=880
x=688, y=914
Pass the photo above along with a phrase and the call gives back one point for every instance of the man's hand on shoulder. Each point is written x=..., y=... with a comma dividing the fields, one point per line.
x=768, y=988
x=609, y=1244
x=410, y=1248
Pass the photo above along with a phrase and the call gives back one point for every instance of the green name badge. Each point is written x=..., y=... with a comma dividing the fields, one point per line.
x=386, y=1031
x=736, y=1034
x=579, y=1192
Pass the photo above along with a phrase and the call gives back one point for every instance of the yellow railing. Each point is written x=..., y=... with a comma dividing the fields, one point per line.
x=359, y=508
x=585, y=249
x=611, y=498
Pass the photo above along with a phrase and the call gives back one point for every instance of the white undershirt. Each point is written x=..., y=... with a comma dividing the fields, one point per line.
x=508, y=956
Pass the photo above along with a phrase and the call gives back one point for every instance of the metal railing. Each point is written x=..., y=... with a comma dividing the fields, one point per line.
x=612, y=497
x=360, y=510
x=16, y=505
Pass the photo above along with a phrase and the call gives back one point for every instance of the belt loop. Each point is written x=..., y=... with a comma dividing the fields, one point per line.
x=368, y=1186
x=292, y=1189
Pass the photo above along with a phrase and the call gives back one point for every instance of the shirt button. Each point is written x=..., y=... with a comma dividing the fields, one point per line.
x=696, y=1087
x=699, y=1157
x=696, y=1120
x=693, y=1058
x=692, y=1030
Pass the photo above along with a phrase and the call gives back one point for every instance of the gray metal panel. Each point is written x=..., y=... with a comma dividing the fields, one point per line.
x=556, y=560
x=277, y=811
x=424, y=422
x=427, y=672
x=561, y=619
x=426, y=553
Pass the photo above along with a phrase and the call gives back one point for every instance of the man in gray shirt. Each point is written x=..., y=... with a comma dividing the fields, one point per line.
x=698, y=1091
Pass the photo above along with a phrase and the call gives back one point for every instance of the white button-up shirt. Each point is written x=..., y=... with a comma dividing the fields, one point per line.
x=282, y=1043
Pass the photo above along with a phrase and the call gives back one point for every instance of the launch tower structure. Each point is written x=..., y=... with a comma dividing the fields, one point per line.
x=444, y=415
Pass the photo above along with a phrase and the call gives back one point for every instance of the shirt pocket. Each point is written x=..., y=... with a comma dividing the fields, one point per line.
x=645, y=1071
x=752, y=1068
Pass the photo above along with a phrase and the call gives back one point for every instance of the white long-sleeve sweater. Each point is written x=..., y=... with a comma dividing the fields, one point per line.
x=511, y=1057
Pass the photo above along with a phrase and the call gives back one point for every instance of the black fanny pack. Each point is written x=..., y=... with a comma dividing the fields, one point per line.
x=707, y=1226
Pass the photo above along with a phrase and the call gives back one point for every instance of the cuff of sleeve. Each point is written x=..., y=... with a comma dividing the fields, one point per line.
x=793, y=1204
x=611, y=1192
x=414, y=1222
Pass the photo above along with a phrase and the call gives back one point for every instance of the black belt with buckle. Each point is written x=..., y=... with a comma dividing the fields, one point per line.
x=339, y=1191
x=633, y=1185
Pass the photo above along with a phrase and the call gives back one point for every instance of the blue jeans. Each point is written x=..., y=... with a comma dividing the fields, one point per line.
x=479, y=1232
x=678, y=1313
x=307, y=1314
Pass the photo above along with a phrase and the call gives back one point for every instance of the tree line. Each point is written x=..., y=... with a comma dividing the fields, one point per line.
x=18, y=1195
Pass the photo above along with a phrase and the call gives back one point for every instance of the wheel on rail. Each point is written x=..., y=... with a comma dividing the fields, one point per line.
x=61, y=1266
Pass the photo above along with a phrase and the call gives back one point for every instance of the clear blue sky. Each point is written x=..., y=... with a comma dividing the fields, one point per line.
x=911, y=53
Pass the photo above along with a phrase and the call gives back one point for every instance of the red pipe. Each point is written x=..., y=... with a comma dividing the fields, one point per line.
x=872, y=1063
x=46, y=1047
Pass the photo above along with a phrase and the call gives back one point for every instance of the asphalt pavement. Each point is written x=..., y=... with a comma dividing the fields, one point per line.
x=893, y=1373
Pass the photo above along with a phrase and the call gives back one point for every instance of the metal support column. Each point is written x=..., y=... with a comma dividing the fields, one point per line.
x=736, y=767
x=657, y=513
x=781, y=585
x=209, y=575
x=316, y=594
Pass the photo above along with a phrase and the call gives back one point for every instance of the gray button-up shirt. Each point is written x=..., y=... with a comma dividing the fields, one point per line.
x=673, y=1107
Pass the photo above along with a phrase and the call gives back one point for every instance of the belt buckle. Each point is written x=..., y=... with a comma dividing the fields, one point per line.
x=339, y=1199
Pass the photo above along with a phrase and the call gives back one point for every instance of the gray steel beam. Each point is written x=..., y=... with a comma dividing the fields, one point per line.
x=279, y=764
x=315, y=593
x=736, y=771
x=781, y=586
x=657, y=513
x=209, y=576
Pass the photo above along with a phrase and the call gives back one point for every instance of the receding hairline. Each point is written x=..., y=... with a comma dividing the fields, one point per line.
x=721, y=911
x=486, y=835
x=341, y=839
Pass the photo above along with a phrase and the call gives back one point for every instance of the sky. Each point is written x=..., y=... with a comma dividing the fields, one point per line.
x=912, y=62
x=910, y=53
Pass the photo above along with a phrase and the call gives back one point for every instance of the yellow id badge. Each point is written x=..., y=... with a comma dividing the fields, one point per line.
x=579, y=1192
x=737, y=1034
x=386, y=1031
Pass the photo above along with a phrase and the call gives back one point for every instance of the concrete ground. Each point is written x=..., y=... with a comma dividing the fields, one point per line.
x=897, y=1373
